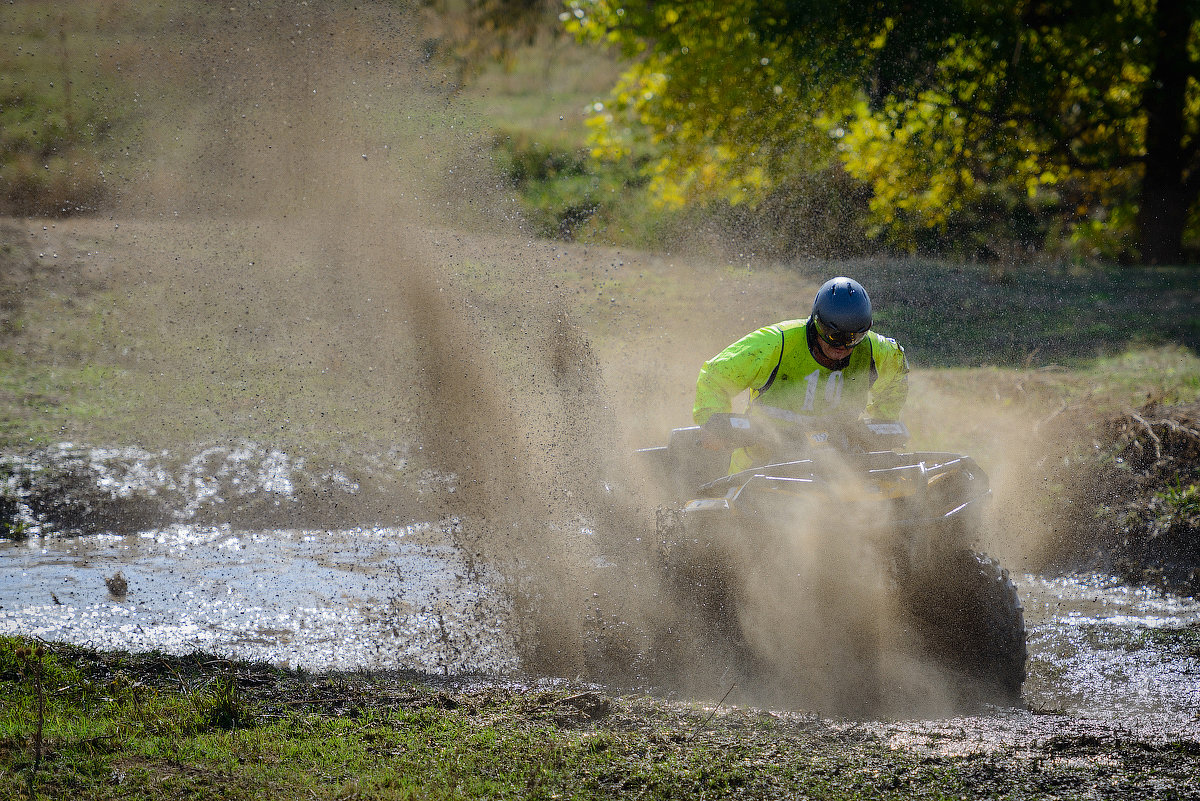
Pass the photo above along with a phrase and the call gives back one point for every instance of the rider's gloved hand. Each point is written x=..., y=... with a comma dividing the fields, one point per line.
x=713, y=433
x=858, y=434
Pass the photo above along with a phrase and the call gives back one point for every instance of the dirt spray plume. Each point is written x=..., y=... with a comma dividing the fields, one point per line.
x=342, y=237
x=808, y=591
x=823, y=614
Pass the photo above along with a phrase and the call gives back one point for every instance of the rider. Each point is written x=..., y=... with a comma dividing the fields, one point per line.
x=830, y=363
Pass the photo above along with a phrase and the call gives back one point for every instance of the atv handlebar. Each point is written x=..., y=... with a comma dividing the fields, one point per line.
x=725, y=431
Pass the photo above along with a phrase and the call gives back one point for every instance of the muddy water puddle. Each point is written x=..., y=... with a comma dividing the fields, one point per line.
x=1104, y=658
x=1107, y=664
x=1101, y=647
x=363, y=597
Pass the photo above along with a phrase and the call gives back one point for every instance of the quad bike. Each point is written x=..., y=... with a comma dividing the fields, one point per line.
x=919, y=510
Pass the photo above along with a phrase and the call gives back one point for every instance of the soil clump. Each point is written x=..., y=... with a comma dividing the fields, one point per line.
x=1132, y=504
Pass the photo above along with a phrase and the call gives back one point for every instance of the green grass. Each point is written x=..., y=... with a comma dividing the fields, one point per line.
x=168, y=354
x=1182, y=641
x=1181, y=501
x=152, y=726
x=71, y=78
x=965, y=314
x=533, y=108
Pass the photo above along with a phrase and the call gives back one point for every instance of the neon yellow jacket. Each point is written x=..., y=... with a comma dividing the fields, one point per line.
x=776, y=364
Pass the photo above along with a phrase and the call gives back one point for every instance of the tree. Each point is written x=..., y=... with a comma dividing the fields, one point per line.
x=1170, y=181
x=1074, y=120
x=477, y=32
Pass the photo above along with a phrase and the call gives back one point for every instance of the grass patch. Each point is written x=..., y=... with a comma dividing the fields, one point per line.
x=1180, y=500
x=565, y=197
x=151, y=726
x=1030, y=316
x=533, y=108
x=165, y=353
x=104, y=103
x=69, y=101
x=1184, y=642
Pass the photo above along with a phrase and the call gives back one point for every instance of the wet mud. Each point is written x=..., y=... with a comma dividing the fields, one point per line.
x=1104, y=655
x=1144, y=481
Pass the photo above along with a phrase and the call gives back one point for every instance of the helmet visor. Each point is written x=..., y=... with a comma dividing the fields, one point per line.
x=836, y=338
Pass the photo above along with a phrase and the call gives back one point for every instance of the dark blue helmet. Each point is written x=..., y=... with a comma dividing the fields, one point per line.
x=841, y=312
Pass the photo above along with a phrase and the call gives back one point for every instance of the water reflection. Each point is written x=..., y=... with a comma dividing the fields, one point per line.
x=1106, y=650
x=406, y=598
x=375, y=597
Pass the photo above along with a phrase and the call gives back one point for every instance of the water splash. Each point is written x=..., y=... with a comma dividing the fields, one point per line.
x=394, y=597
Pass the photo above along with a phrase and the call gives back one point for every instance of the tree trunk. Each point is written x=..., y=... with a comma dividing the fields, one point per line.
x=1164, y=202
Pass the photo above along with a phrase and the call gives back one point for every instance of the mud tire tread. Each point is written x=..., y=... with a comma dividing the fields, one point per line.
x=972, y=621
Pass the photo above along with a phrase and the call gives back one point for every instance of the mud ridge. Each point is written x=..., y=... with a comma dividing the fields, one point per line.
x=1134, y=503
x=75, y=489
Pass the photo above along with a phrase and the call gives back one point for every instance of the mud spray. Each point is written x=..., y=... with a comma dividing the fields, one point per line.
x=393, y=262
x=367, y=255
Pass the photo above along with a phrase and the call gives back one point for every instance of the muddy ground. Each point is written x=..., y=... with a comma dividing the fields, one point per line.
x=730, y=750
x=1149, y=517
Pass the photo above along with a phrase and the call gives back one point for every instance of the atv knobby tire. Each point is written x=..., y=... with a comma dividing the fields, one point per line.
x=970, y=620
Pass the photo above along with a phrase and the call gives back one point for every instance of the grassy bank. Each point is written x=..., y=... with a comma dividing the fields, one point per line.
x=78, y=82
x=82, y=724
x=173, y=333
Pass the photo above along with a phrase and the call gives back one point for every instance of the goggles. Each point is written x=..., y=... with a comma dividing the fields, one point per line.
x=836, y=338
